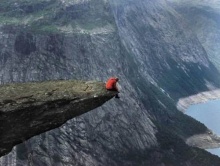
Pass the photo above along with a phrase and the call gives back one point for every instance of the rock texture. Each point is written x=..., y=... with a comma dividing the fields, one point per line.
x=29, y=109
x=147, y=44
x=204, y=20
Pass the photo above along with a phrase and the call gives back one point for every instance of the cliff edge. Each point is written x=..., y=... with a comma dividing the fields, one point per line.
x=28, y=109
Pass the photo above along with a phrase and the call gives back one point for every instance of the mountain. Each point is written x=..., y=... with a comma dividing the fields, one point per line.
x=204, y=19
x=152, y=46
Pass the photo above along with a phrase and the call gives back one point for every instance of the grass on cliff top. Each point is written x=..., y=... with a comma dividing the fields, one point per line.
x=50, y=15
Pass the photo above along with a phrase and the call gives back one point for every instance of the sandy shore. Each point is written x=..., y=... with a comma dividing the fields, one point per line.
x=184, y=103
x=205, y=141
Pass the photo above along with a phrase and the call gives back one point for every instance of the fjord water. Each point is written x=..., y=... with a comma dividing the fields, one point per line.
x=209, y=114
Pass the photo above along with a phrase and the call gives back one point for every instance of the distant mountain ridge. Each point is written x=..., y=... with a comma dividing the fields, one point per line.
x=204, y=20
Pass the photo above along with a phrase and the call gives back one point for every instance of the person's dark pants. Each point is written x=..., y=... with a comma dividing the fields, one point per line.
x=117, y=96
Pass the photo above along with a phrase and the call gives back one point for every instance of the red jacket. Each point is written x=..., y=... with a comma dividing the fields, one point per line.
x=111, y=84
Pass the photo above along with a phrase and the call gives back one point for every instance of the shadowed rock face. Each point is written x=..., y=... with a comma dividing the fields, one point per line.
x=29, y=109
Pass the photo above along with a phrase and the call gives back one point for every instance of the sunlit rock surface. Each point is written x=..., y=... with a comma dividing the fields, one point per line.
x=29, y=109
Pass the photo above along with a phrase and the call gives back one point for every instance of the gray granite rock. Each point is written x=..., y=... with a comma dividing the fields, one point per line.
x=29, y=109
x=146, y=43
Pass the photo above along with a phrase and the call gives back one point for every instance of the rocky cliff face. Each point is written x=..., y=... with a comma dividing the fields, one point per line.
x=204, y=19
x=147, y=44
x=30, y=109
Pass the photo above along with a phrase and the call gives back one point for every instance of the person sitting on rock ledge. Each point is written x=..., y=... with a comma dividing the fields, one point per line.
x=111, y=85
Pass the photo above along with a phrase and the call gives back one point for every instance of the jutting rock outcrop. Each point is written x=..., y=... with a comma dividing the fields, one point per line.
x=28, y=109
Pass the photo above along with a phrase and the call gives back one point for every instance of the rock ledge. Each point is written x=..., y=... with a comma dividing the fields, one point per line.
x=28, y=109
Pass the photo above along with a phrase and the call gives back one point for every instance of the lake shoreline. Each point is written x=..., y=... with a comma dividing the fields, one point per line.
x=207, y=140
x=184, y=103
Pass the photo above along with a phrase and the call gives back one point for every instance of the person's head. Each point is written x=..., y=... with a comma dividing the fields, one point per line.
x=116, y=78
